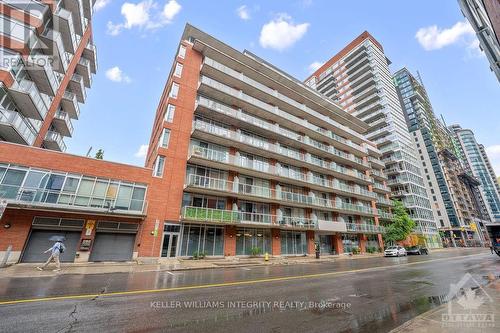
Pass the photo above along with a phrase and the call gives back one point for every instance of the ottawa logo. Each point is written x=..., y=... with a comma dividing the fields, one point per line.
x=469, y=305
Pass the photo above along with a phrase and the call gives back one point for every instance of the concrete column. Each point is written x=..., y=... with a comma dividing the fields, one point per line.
x=230, y=241
x=275, y=242
x=236, y=182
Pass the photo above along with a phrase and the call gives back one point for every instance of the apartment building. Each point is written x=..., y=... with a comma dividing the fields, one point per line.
x=483, y=15
x=358, y=78
x=450, y=188
x=259, y=162
x=479, y=165
x=47, y=62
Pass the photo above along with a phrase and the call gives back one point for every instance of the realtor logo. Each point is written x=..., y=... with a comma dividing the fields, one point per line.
x=468, y=306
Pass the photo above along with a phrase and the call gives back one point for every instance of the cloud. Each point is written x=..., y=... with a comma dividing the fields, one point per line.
x=314, y=66
x=100, y=4
x=142, y=151
x=145, y=15
x=243, y=12
x=434, y=38
x=493, y=153
x=281, y=33
x=115, y=74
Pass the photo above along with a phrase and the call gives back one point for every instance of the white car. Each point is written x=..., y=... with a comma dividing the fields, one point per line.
x=395, y=251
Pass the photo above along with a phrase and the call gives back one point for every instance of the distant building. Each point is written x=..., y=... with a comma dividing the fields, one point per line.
x=484, y=16
x=358, y=78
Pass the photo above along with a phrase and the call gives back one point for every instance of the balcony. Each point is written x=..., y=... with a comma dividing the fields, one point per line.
x=332, y=226
x=40, y=70
x=212, y=133
x=69, y=104
x=60, y=200
x=233, y=217
x=234, y=116
x=28, y=99
x=54, y=141
x=226, y=161
x=90, y=53
x=64, y=23
x=378, y=174
x=76, y=9
x=376, y=162
x=15, y=128
x=77, y=87
x=384, y=215
x=83, y=69
x=88, y=8
x=62, y=123
x=261, y=97
x=377, y=187
x=365, y=228
x=53, y=40
x=383, y=202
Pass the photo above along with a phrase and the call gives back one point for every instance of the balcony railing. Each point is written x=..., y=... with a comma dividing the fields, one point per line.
x=212, y=215
x=57, y=138
x=19, y=124
x=65, y=117
x=69, y=200
x=365, y=228
x=282, y=172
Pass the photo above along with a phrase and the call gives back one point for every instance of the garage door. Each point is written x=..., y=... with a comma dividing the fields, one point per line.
x=112, y=247
x=39, y=242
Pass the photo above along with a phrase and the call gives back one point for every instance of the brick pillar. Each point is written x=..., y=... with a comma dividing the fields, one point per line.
x=310, y=241
x=337, y=244
x=230, y=241
x=362, y=243
x=275, y=242
x=380, y=241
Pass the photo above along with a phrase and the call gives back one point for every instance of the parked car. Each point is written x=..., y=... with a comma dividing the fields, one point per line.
x=417, y=249
x=395, y=251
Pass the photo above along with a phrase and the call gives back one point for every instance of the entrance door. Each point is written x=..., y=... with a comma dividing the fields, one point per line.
x=169, y=248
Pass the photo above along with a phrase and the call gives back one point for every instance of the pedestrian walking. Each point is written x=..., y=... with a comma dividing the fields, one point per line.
x=55, y=252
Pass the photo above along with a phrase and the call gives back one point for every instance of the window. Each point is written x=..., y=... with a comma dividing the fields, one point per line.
x=159, y=164
x=174, y=90
x=169, y=113
x=182, y=52
x=178, y=70
x=165, y=138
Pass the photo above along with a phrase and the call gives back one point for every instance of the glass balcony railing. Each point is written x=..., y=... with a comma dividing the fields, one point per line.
x=64, y=117
x=211, y=215
x=365, y=228
x=19, y=123
x=57, y=138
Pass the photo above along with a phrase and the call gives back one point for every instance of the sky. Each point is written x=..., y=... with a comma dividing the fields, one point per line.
x=137, y=40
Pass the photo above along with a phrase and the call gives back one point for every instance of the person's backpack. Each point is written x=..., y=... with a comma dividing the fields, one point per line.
x=61, y=248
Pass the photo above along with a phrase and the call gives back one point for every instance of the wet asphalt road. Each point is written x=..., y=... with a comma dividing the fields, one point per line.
x=357, y=295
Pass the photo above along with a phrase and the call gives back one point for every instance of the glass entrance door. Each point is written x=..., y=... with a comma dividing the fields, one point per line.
x=169, y=248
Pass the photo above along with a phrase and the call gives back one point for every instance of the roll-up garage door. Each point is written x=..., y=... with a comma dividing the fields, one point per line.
x=112, y=247
x=39, y=242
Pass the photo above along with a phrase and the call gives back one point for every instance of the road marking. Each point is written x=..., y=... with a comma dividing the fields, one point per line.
x=225, y=284
x=246, y=269
x=168, y=272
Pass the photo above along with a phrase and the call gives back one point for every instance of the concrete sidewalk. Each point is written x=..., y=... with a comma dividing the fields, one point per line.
x=29, y=270
x=482, y=316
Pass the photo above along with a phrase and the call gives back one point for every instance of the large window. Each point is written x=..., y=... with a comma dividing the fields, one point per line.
x=247, y=238
x=202, y=239
x=182, y=52
x=44, y=186
x=293, y=242
x=165, y=138
x=178, y=70
x=350, y=242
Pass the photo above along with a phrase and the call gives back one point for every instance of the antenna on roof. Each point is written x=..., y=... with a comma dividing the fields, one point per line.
x=88, y=152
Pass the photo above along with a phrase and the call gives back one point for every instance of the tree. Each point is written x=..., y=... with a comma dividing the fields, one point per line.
x=402, y=225
x=99, y=154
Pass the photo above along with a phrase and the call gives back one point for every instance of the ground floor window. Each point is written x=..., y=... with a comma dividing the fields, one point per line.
x=350, y=242
x=205, y=239
x=372, y=242
x=293, y=242
x=326, y=246
x=257, y=239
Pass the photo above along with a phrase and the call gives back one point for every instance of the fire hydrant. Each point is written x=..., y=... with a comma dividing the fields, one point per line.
x=266, y=256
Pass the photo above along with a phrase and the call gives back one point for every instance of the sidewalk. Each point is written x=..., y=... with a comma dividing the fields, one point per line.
x=29, y=270
x=450, y=318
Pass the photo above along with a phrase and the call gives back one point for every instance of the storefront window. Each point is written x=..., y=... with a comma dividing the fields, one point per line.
x=247, y=238
x=202, y=239
x=350, y=242
x=293, y=242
